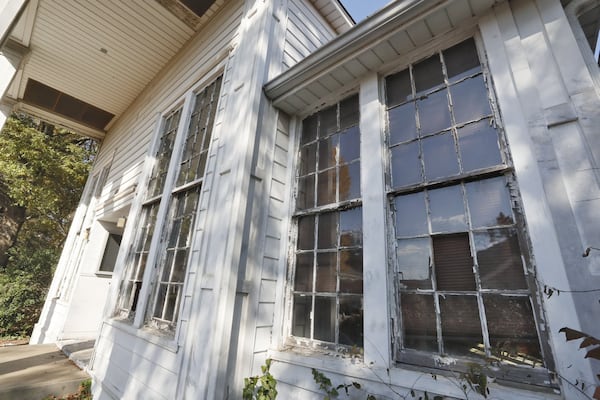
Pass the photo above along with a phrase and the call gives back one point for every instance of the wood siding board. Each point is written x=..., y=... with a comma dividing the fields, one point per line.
x=355, y=68
x=438, y=22
x=330, y=82
x=300, y=39
x=302, y=29
x=370, y=60
x=318, y=26
x=401, y=42
x=419, y=33
x=343, y=75
x=384, y=51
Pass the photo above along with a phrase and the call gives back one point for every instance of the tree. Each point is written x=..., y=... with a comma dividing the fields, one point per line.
x=42, y=172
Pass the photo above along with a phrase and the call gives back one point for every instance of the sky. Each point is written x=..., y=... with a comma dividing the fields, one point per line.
x=360, y=9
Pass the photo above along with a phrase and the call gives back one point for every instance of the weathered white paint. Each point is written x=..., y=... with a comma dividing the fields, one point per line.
x=9, y=13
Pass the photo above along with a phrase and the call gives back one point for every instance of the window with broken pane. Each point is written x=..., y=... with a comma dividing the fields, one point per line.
x=327, y=279
x=460, y=277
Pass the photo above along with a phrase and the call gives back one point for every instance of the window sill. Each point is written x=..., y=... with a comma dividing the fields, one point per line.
x=404, y=377
x=152, y=336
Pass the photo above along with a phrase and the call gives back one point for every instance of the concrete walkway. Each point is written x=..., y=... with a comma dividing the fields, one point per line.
x=34, y=372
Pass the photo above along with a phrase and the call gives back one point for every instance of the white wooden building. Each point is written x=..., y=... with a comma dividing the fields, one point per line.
x=393, y=203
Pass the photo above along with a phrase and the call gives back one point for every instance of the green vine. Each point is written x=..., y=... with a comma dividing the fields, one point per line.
x=332, y=392
x=261, y=387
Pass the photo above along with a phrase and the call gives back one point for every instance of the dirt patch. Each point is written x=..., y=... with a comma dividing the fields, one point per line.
x=5, y=342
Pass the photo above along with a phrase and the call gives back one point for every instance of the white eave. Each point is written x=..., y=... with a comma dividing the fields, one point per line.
x=371, y=45
x=335, y=14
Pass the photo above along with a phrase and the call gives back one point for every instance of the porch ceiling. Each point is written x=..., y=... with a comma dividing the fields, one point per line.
x=373, y=45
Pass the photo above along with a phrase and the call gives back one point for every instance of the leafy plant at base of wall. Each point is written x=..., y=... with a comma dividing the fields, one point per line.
x=261, y=387
x=476, y=381
x=333, y=392
x=588, y=341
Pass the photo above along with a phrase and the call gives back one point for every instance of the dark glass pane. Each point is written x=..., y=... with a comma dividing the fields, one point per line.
x=411, y=215
x=512, y=330
x=351, y=271
x=328, y=152
x=306, y=192
x=326, y=272
x=351, y=227
x=406, y=165
x=478, y=144
x=461, y=60
x=403, y=125
x=303, y=280
x=309, y=129
x=499, y=259
x=160, y=301
x=326, y=187
x=414, y=260
x=351, y=321
x=428, y=74
x=350, y=145
x=174, y=233
x=418, y=322
x=327, y=238
x=453, y=262
x=349, y=112
x=461, y=326
x=440, y=156
x=447, y=210
x=398, y=88
x=185, y=232
x=470, y=100
x=434, y=113
x=179, y=266
x=350, y=181
x=489, y=203
x=325, y=315
x=168, y=261
x=301, y=316
x=328, y=121
x=306, y=233
x=308, y=159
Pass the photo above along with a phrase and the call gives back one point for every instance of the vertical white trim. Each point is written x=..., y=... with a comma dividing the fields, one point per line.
x=376, y=316
x=9, y=15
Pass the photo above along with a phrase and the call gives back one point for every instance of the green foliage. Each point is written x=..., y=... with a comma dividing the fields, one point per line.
x=42, y=169
x=330, y=391
x=261, y=387
x=476, y=380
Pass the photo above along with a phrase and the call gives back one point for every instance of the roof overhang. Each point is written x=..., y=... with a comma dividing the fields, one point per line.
x=371, y=45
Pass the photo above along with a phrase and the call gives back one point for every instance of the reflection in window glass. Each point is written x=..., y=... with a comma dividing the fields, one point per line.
x=489, y=202
x=499, y=259
x=411, y=215
x=440, y=158
x=478, y=143
x=434, y=113
x=406, y=165
x=402, y=123
x=471, y=100
x=447, y=210
x=461, y=326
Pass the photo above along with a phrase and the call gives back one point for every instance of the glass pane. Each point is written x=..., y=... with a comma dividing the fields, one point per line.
x=306, y=233
x=434, y=113
x=461, y=326
x=403, y=125
x=167, y=269
x=301, y=316
x=179, y=266
x=440, y=156
x=447, y=210
x=414, y=259
x=453, y=262
x=328, y=152
x=411, y=217
x=351, y=271
x=418, y=322
x=470, y=100
x=160, y=301
x=303, y=280
x=308, y=159
x=328, y=231
x=406, y=165
x=325, y=318
x=328, y=121
x=350, y=181
x=351, y=227
x=309, y=129
x=326, y=272
x=489, y=204
x=428, y=74
x=461, y=60
x=499, y=259
x=478, y=144
x=398, y=88
x=326, y=187
x=306, y=192
x=512, y=330
x=351, y=321
x=349, y=112
x=350, y=145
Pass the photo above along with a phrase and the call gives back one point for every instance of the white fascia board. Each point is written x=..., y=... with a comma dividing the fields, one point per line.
x=390, y=19
x=10, y=11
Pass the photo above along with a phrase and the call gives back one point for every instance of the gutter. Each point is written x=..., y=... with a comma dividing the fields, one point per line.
x=378, y=27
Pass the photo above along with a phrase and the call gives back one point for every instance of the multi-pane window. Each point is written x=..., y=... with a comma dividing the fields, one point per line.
x=460, y=277
x=180, y=197
x=327, y=288
x=136, y=264
x=182, y=210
